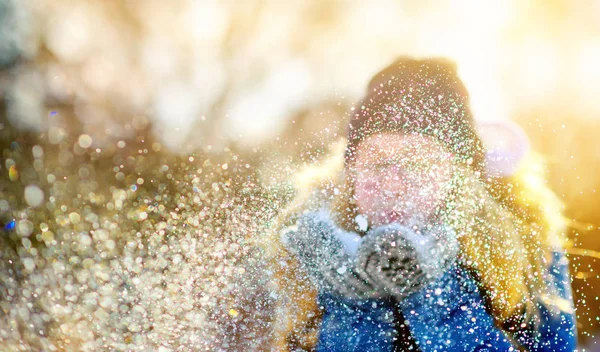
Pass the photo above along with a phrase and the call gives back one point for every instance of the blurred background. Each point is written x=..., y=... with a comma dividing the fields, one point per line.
x=145, y=143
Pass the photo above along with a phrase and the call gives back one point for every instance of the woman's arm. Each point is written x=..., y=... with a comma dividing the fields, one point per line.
x=556, y=327
x=450, y=315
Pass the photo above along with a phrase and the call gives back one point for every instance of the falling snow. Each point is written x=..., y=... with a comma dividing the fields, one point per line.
x=179, y=178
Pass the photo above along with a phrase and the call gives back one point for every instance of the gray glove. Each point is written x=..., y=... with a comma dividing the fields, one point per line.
x=318, y=244
x=401, y=261
x=390, y=260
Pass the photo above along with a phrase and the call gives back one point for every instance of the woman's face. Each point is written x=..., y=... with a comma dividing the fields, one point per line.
x=401, y=178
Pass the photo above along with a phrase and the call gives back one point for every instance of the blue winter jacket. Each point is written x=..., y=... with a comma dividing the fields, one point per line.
x=447, y=315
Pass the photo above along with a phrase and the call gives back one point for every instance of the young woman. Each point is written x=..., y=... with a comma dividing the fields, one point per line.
x=408, y=242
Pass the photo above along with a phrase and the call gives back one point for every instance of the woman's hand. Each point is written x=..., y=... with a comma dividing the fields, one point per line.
x=390, y=260
x=327, y=253
x=401, y=260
